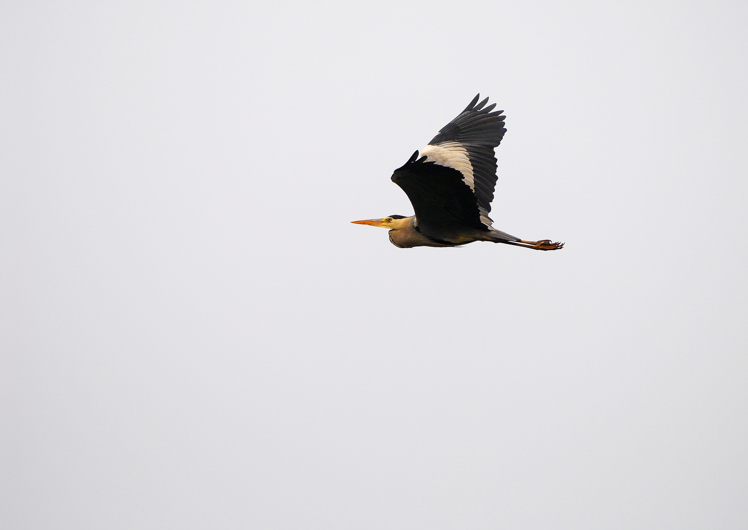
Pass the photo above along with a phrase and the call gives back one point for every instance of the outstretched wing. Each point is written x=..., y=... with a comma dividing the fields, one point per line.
x=442, y=201
x=467, y=144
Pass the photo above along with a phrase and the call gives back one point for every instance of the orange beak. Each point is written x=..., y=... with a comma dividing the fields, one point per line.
x=370, y=222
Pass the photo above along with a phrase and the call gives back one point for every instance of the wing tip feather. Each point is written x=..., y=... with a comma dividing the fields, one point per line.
x=471, y=105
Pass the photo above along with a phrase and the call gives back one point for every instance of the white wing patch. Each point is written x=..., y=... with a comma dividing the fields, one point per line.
x=484, y=217
x=454, y=155
x=451, y=154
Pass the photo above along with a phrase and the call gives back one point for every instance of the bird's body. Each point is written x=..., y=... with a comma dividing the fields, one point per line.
x=405, y=233
x=450, y=185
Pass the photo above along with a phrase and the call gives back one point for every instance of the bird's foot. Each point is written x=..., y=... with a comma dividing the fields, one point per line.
x=544, y=244
x=547, y=244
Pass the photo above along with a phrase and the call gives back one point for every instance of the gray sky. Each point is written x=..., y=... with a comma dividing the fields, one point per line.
x=195, y=336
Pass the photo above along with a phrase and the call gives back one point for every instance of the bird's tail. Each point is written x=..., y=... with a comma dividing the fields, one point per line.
x=497, y=236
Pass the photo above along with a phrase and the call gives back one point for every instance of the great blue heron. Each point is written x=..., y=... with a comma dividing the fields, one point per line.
x=450, y=185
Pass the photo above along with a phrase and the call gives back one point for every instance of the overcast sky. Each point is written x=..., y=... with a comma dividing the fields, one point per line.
x=193, y=335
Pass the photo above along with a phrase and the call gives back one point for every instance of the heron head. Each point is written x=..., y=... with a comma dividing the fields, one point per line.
x=393, y=222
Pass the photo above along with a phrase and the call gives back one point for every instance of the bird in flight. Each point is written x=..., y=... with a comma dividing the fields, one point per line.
x=450, y=184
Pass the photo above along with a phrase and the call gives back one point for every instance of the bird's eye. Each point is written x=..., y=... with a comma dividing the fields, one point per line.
x=388, y=219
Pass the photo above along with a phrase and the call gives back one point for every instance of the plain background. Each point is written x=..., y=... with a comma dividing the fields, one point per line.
x=195, y=336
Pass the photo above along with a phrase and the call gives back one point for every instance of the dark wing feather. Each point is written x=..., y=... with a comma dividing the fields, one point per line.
x=478, y=129
x=443, y=203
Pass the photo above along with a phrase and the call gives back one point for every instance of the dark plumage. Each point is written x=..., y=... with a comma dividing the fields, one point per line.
x=441, y=199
